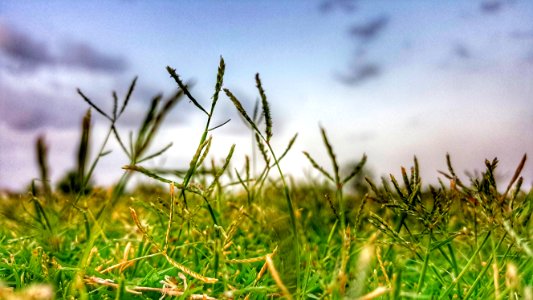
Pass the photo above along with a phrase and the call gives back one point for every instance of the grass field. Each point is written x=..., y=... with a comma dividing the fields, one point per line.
x=217, y=230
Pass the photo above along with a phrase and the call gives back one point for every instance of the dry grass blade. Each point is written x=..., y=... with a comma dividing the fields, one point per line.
x=182, y=86
x=143, y=230
x=275, y=275
x=189, y=271
x=515, y=176
x=246, y=260
x=266, y=108
x=378, y=292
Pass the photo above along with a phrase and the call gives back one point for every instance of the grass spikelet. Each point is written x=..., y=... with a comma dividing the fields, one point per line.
x=317, y=166
x=221, y=170
x=289, y=146
x=219, y=83
x=196, y=158
x=262, y=149
x=240, y=109
x=86, y=99
x=196, y=189
x=206, y=151
x=331, y=155
x=356, y=169
x=128, y=96
x=183, y=86
x=266, y=108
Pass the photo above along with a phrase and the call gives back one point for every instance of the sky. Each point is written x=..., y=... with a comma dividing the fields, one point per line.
x=391, y=79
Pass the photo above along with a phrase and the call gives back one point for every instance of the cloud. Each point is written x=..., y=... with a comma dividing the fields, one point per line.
x=26, y=110
x=522, y=35
x=84, y=56
x=23, y=48
x=491, y=6
x=461, y=51
x=345, y=5
x=25, y=53
x=370, y=30
x=361, y=73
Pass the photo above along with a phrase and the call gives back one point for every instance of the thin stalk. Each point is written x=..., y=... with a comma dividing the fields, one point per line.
x=291, y=213
x=425, y=267
x=482, y=273
x=455, y=269
x=463, y=272
x=93, y=165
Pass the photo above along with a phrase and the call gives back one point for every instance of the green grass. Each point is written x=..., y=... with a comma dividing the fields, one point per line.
x=215, y=230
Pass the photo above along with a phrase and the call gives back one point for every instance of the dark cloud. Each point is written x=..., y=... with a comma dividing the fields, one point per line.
x=29, y=110
x=84, y=56
x=25, y=53
x=344, y=5
x=491, y=6
x=461, y=51
x=361, y=73
x=370, y=30
x=23, y=48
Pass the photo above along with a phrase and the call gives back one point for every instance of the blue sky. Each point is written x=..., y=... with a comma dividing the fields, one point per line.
x=388, y=78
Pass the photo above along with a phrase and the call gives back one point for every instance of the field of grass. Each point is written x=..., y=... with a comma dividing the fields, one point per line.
x=213, y=230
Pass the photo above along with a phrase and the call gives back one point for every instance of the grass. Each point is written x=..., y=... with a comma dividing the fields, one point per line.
x=214, y=230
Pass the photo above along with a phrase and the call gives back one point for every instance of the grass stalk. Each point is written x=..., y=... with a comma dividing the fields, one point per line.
x=466, y=267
